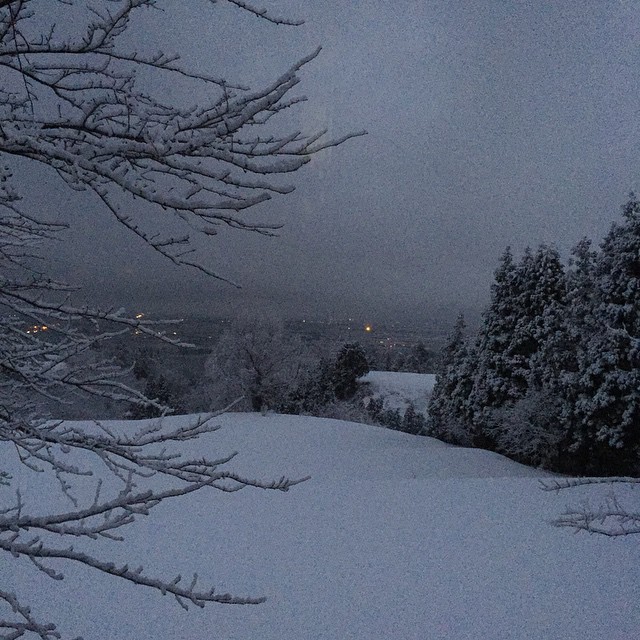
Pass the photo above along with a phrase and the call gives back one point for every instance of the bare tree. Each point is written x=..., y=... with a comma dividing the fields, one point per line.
x=610, y=518
x=72, y=104
x=258, y=360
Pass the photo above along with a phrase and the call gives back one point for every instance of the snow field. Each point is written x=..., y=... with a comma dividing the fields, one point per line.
x=394, y=537
x=399, y=388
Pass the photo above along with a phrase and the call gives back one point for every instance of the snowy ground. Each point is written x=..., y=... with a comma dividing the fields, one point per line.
x=395, y=537
x=398, y=389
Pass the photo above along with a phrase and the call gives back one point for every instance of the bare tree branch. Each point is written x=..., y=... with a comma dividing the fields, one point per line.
x=194, y=163
x=74, y=104
x=610, y=518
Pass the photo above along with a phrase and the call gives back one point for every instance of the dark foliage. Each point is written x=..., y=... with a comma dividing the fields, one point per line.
x=350, y=365
x=553, y=376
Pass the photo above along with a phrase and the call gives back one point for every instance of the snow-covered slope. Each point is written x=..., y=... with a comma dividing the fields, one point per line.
x=398, y=389
x=395, y=537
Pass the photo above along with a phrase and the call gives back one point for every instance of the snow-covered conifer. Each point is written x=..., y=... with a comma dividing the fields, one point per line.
x=607, y=407
x=539, y=352
x=412, y=421
x=449, y=416
x=420, y=359
x=567, y=351
x=351, y=364
x=515, y=346
x=493, y=381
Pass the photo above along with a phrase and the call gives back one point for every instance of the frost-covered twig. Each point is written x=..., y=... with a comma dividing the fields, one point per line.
x=610, y=518
x=25, y=623
x=203, y=165
x=72, y=102
x=131, y=458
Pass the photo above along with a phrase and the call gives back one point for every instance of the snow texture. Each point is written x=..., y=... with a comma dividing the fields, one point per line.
x=399, y=389
x=394, y=537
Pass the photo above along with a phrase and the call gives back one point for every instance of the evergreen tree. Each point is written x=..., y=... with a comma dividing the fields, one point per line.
x=420, y=359
x=412, y=421
x=515, y=354
x=449, y=415
x=554, y=375
x=391, y=419
x=328, y=382
x=316, y=390
x=540, y=328
x=493, y=381
x=145, y=363
x=157, y=388
x=530, y=425
x=375, y=407
x=568, y=352
x=607, y=408
x=350, y=365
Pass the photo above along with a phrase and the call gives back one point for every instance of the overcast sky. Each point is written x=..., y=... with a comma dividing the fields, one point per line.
x=490, y=123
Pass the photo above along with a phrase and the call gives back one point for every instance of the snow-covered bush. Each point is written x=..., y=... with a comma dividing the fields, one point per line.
x=530, y=430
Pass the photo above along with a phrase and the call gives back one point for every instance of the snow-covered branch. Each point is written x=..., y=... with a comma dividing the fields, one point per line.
x=70, y=451
x=204, y=165
x=610, y=518
x=71, y=101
